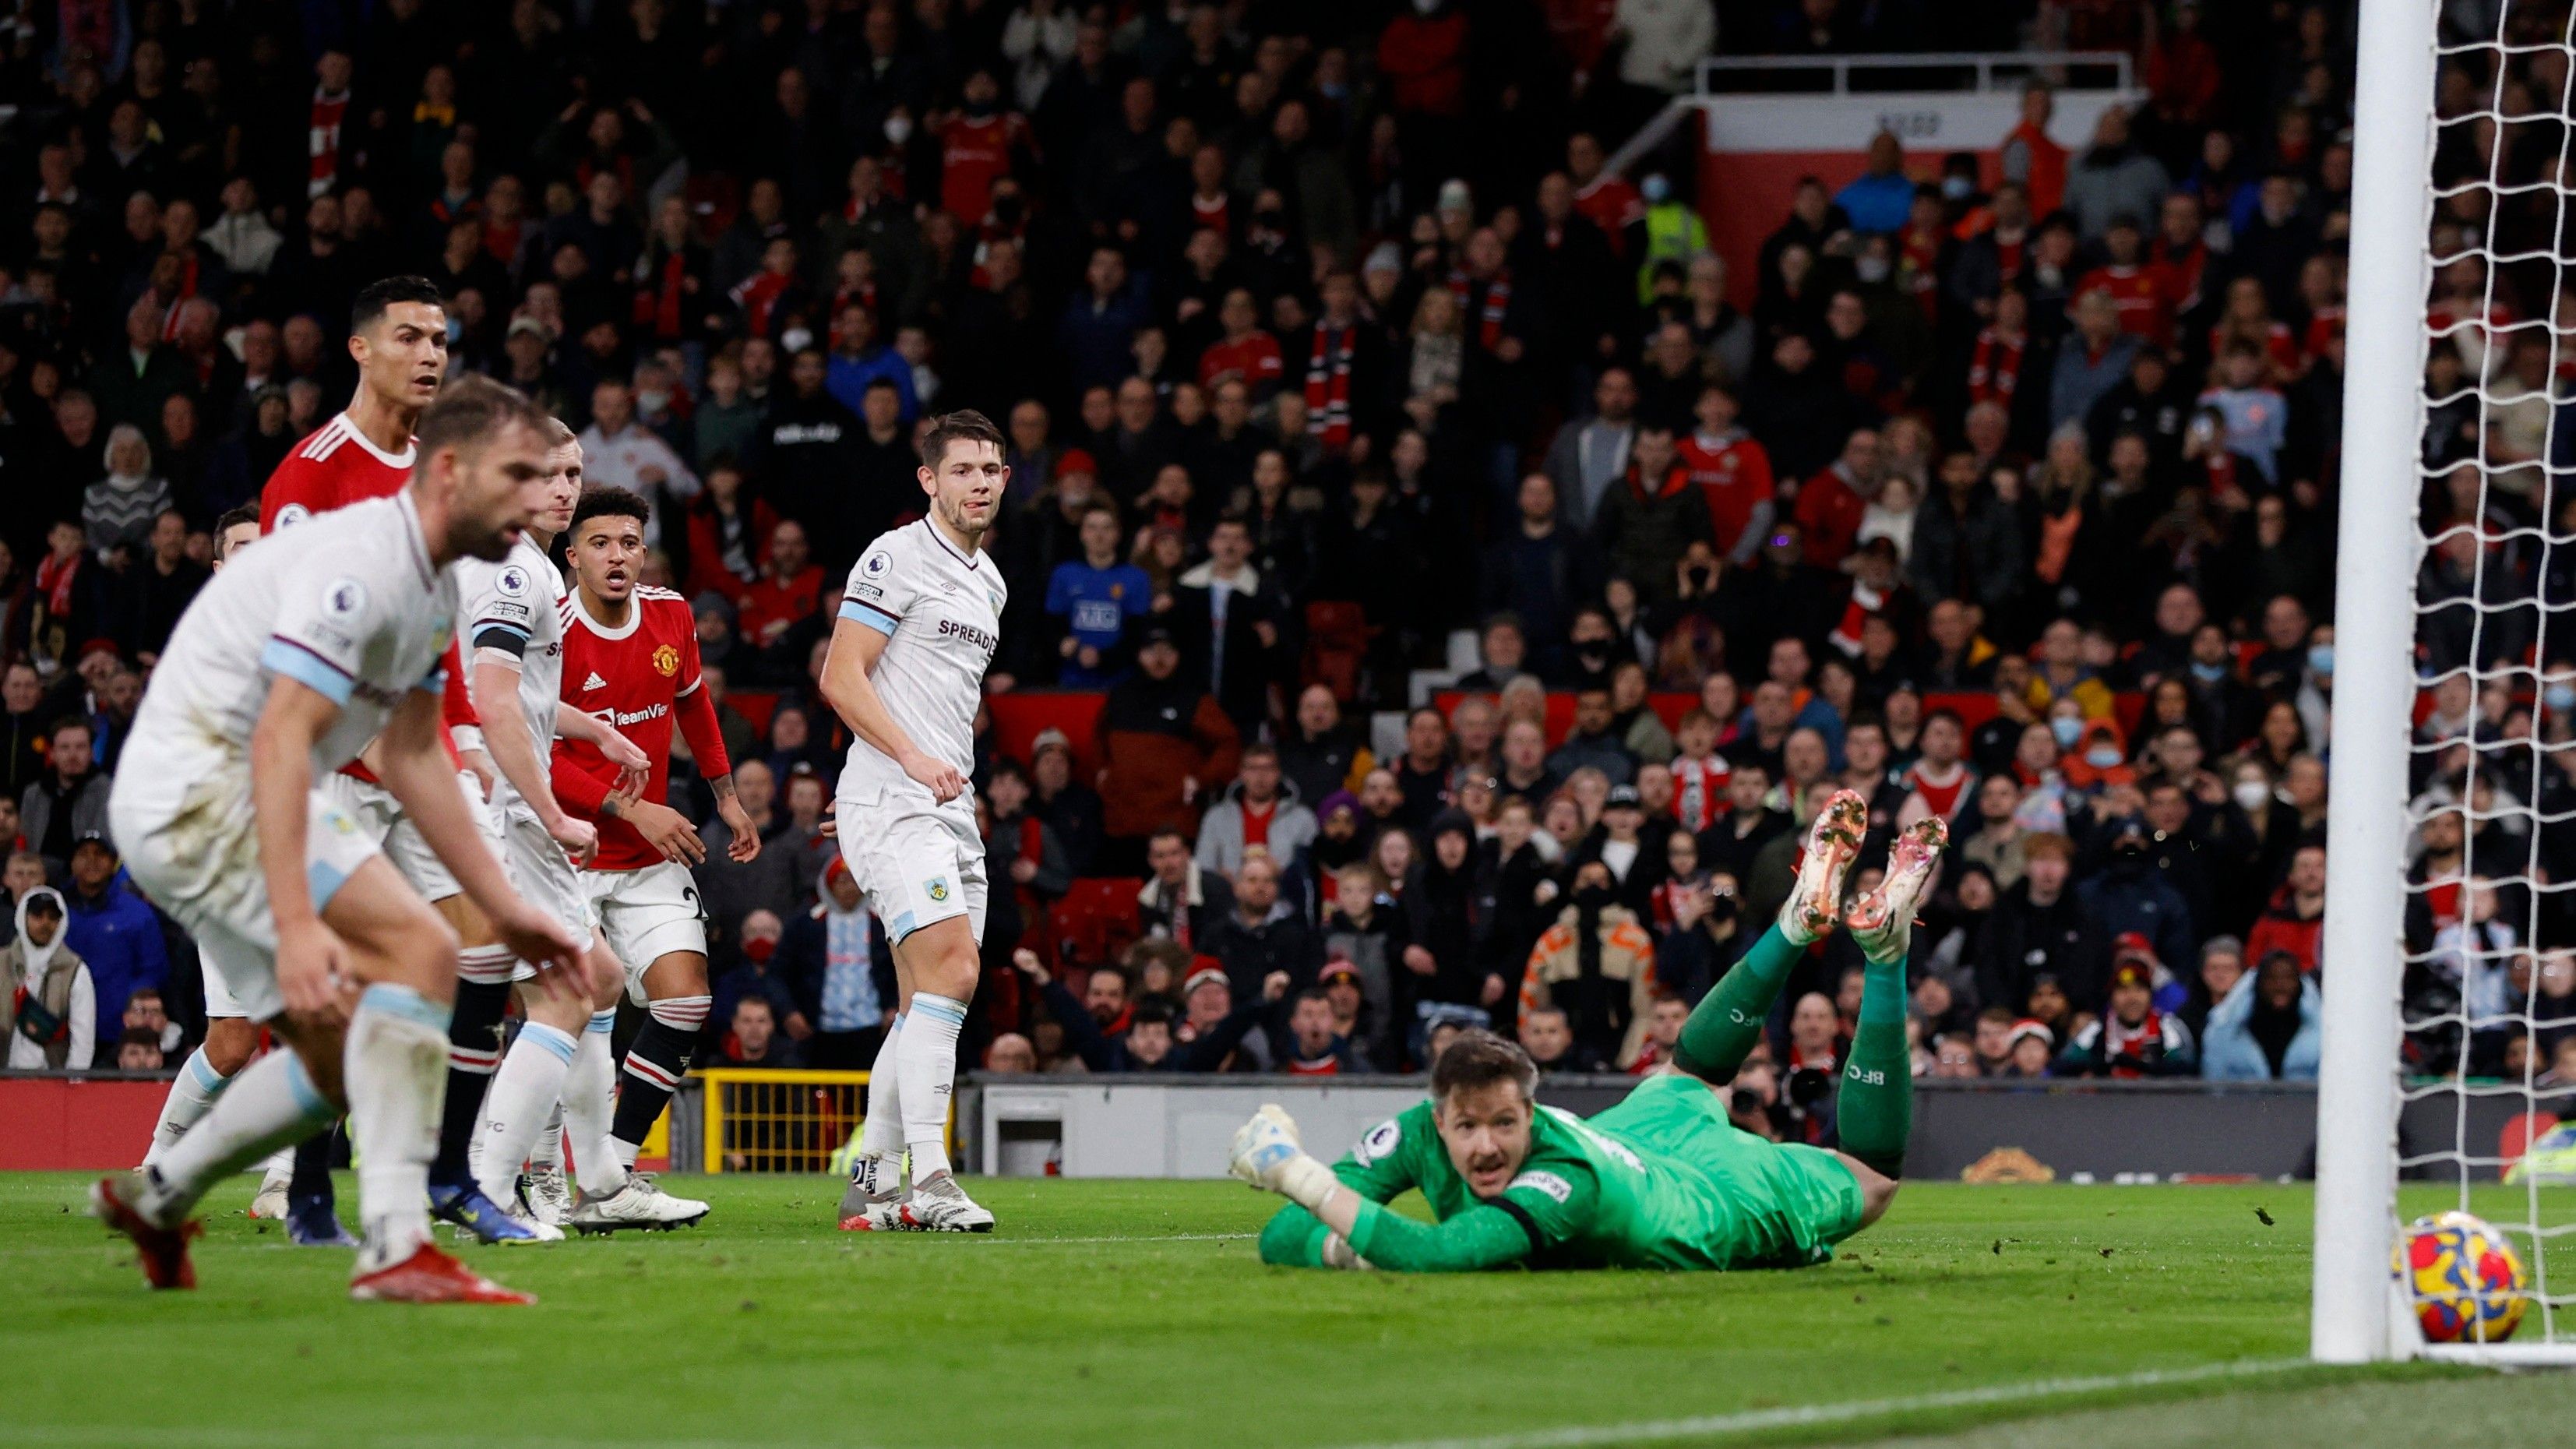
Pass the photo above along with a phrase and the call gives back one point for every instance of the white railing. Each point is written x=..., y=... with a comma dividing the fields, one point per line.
x=1975, y=70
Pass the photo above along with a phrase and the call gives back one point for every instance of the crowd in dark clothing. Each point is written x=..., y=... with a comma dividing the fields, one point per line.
x=1320, y=336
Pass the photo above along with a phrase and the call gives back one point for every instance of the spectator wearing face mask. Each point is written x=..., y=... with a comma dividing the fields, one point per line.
x=2132, y=898
x=1597, y=964
x=761, y=974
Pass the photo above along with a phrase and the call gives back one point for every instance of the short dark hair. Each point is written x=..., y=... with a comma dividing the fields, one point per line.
x=611, y=503
x=235, y=516
x=472, y=410
x=962, y=426
x=375, y=297
x=1478, y=1058
x=1151, y=1011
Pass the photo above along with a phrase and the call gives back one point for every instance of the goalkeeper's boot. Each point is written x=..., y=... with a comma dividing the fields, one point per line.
x=939, y=1205
x=469, y=1207
x=163, y=1251
x=311, y=1222
x=637, y=1203
x=1882, y=922
x=430, y=1276
x=1815, y=903
x=545, y=1197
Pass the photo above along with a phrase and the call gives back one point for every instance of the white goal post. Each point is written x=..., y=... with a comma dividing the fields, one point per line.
x=2358, y=1311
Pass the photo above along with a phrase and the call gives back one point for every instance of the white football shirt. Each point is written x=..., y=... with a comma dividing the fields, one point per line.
x=346, y=604
x=941, y=612
x=509, y=617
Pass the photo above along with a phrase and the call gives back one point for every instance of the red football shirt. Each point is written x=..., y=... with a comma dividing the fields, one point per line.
x=1253, y=358
x=1734, y=475
x=973, y=155
x=632, y=679
x=333, y=468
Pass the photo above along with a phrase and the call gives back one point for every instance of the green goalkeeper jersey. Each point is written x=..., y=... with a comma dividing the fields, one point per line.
x=1662, y=1180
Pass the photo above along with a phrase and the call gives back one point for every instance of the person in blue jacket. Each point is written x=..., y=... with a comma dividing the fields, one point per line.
x=2266, y=1029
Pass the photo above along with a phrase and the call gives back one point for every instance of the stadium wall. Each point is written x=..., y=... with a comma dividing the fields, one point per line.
x=1178, y=1126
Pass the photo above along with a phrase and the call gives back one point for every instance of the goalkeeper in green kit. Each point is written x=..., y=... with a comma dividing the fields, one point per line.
x=1662, y=1180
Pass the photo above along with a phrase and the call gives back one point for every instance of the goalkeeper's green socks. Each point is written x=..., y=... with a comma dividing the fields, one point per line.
x=1723, y=1028
x=1875, y=1105
x=1728, y=1021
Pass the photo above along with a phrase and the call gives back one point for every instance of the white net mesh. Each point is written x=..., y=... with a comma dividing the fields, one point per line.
x=2490, y=934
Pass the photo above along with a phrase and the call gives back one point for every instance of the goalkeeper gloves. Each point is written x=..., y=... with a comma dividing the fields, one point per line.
x=1267, y=1154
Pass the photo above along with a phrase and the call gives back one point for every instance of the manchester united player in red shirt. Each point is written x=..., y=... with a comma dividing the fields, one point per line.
x=398, y=338
x=631, y=659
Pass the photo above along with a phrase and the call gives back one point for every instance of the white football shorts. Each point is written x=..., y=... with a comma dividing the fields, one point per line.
x=917, y=867
x=646, y=915
x=191, y=841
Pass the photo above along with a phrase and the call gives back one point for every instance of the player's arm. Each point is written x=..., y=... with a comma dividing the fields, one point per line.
x=463, y=725
x=417, y=772
x=1380, y=1169
x=695, y=714
x=634, y=767
x=311, y=960
x=858, y=640
x=497, y=665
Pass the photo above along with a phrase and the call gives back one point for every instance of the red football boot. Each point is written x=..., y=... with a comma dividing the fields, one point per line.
x=430, y=1276
x=162, y=1251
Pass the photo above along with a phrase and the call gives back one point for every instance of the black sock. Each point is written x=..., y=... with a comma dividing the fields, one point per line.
x=654, y=1064
x=473, y=1052
x=312, y=1179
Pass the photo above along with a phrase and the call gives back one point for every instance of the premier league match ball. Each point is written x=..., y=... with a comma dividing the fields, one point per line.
x=2466, y=1280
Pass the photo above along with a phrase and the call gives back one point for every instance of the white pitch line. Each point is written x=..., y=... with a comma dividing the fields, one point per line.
x=1807, y=1415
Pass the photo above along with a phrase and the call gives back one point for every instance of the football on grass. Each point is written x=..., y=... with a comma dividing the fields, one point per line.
x=2466, y=1280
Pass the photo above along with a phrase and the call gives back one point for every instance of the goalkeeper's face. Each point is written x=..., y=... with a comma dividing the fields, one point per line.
x=1487, y=1131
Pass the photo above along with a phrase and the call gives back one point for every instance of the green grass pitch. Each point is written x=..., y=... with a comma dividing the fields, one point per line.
x=1135, y=1313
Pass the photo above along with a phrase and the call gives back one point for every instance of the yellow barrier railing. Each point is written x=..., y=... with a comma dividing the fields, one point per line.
x=763, y=1120
x=760, y=1119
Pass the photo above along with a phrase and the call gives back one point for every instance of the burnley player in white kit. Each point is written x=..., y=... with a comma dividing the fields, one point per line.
x=289, y=663
x=917, y=628
x=514, y=634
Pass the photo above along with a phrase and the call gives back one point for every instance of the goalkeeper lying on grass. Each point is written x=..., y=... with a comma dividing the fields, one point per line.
x=1661, y=1180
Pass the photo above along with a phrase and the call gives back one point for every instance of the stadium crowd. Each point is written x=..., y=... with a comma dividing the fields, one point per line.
x=1320, y=334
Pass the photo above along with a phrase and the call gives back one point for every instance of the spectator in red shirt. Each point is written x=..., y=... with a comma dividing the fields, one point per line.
x=2138, y=292
x=1831, y=506
x=2297, y=915
x=790, y=588
x=978, y=145
x=1733, y=471
x=1604, y=197
x=1245, y=352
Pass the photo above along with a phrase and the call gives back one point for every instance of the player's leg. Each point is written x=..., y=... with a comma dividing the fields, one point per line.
x=278, y=1100
x=529, y=1087
x=874, y=1198
x=1874, y=1106
x=1722, y=1030
x=588, y=1110
x=231, y=1041
x=483, y=975
x=474, y=1183
x=312, y=1206
x=941, y=955
x=395, y=1068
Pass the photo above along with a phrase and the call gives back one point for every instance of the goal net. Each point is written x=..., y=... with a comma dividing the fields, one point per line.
x=2449, y=962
